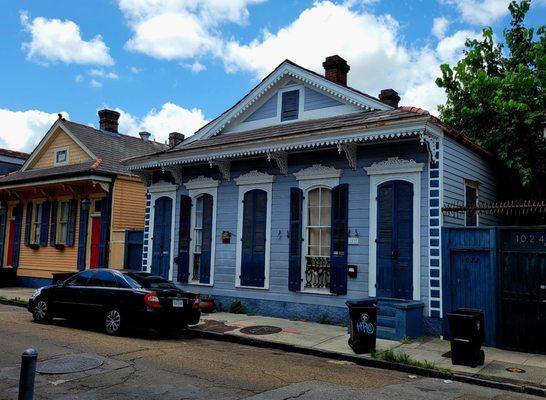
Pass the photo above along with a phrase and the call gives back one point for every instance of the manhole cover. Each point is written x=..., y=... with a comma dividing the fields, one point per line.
x=261, y=330
x=515, y=370
x=68, y=364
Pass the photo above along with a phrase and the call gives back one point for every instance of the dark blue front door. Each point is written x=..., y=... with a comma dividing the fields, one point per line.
x=253, y=240
x=395, y=240
x=161, y=250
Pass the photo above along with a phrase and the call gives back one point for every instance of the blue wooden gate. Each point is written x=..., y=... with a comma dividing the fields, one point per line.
x=133, y=249
x=395, y=240
x=161, y=249
x=254, y=236
x=470, y=278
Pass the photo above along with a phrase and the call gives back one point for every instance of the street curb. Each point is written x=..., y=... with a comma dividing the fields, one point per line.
x=11, y=302
x=370, y=362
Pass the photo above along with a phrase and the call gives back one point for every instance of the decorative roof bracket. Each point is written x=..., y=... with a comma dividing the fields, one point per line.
x=281, y=158
x=433, y=144
x=224, y=165
x=350, y=152
x=176, y=172
x=145, y=176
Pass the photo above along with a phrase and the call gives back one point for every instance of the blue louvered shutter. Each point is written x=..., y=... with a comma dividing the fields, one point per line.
x=183, y=258
x=18, y=221
x=71, y=223
x=2, y=237
x=44, y=226
x=294, y=261
x=206, y=243
x=82, y=238
x=28, y=223
x=290, y=105
x=104, y=231
x=339, y=238
x=53, y=224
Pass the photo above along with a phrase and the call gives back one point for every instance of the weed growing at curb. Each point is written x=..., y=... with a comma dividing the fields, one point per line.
x=237, y=308
x=324, y=319
x=15, y=301
x=390, y=355
x=405, y=340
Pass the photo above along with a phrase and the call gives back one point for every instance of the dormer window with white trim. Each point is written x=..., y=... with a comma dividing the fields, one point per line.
x=61, y=156
x=290, y=105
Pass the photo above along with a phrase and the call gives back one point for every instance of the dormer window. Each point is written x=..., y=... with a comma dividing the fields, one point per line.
x=61, y=156
x=290, y=105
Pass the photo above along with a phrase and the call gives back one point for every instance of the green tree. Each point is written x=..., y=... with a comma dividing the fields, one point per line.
x=495, y=95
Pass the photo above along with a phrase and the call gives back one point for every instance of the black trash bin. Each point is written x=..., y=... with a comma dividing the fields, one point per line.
x=467, y=336
x=363, y=325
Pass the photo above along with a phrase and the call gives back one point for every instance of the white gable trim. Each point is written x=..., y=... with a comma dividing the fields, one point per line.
x=47, y=138
x=287, y=69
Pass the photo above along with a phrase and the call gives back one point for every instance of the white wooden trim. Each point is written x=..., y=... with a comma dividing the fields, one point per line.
x=377, y=177
x=194, y=194
x=162, y=189
x=59, y=149
x=246, y=185
x=318, y=175
x=253, y=177
x=201, y=182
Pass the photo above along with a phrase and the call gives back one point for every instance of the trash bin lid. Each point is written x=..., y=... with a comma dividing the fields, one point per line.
x=361, y=302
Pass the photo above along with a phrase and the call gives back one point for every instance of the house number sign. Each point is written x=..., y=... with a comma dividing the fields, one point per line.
x=531, y=239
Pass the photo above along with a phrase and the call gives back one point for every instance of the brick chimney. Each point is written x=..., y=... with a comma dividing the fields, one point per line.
x=108, y=120
x=175, y=138
x=389, y=97
x=335, y=69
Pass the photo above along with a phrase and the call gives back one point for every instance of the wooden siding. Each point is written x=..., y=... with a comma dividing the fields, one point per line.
x=315, y=100
x=266, y=110
x=45, y=159
x=461, y=163
x=42, y=262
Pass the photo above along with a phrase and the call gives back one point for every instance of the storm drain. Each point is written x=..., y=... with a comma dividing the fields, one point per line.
x=68, y=364
x=260, y=330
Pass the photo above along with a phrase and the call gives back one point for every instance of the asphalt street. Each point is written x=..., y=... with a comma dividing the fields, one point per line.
x=147, y=366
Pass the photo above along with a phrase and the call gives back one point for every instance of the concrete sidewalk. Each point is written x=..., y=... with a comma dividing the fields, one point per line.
x=330, y=339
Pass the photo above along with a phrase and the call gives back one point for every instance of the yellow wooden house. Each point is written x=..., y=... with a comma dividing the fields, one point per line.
x=72, y=205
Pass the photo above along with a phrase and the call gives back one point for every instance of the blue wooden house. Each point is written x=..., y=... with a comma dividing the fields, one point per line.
x=307, y=193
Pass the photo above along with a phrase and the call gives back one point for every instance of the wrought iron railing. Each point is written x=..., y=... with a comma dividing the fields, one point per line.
x=317, y=272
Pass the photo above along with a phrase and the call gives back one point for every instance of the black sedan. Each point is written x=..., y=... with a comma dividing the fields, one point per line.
x=119, y=299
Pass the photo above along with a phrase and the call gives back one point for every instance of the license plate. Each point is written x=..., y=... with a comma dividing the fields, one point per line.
x=178, y=303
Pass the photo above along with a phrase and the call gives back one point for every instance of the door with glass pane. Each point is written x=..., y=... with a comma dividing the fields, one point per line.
x=318, y=238
x=202, y=239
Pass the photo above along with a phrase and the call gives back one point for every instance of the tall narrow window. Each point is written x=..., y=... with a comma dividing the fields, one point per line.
x=62, y=222
x=290, y=105
x=36, y=224
x=317, y=265
x=471, y=200
x=197, y=238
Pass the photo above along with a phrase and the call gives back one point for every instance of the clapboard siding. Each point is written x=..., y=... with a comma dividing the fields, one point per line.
x=45, y=159
x=359, y=201
x=266, y=110
x=315, y=100
x=129, y=204
x=42, y=262
x=461, y=163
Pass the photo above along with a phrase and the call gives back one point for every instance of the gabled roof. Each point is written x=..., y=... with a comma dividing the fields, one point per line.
x=14, y=154
x=346, y=94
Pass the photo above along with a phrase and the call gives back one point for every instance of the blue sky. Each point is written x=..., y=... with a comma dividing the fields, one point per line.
x=171, y=65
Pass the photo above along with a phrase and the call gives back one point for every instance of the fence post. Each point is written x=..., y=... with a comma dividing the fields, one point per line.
x=28, y=372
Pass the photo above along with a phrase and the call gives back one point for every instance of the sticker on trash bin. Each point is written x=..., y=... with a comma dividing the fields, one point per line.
x=364, y=325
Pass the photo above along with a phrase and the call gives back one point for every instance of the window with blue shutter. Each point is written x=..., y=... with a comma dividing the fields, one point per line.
x=44, y=224
x=294, y=261
x=53, y=224
x=18, y=221
x=290, y=105
x=28, y=224
x=183, y=257
x=71, y=226
x=339, y=238
x=206, y=238
x=82, y=238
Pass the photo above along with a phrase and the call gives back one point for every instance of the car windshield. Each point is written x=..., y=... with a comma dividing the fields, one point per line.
x=149, y=281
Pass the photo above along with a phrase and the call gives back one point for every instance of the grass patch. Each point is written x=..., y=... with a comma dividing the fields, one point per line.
x=14, y=300
x=324, y=319
x=237, y=308
x=390, y=355
x=405, y=340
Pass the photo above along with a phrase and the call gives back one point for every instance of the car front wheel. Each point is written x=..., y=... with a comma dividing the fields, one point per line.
x=113, y=322
x=41, y=312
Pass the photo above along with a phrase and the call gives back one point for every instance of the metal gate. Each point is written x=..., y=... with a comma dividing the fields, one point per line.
x=522, y=322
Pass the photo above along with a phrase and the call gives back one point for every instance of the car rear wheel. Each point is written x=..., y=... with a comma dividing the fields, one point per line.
x=41, y=312
x=113, y=322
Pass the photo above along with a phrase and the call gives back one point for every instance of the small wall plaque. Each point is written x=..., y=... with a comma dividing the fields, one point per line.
x=226, y=237
x=353, y=240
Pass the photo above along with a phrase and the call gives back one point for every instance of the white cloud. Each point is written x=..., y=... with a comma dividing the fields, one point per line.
x=170, y=118
x=136, y=70
x=439, y=27
x=180, y=29
x=480, y=12
x=55, y=40
x=95, y=84
x=79, y=78
x=101, y=73
x=22, y=130
x=196, y=67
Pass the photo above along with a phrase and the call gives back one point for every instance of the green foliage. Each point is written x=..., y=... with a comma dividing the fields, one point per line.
x=496, y=95
x=237, y=308
x=390, y=355
x=405, y=340
x=324, y=319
